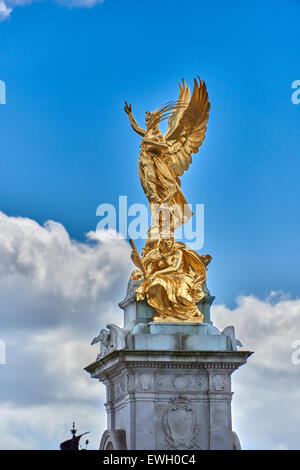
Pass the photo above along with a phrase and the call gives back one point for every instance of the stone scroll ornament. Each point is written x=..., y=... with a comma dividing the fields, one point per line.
x=172, y=274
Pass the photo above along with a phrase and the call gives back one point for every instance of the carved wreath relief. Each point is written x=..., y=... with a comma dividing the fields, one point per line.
x=169, y=382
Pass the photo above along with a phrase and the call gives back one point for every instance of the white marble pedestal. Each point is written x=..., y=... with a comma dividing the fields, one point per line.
x=168, y=385
x=168, y=399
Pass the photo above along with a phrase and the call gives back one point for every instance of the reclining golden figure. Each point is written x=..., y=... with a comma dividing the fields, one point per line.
x=173, y=276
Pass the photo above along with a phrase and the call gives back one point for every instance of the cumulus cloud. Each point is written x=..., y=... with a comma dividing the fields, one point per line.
x=7, y=6
x=45, y=426
x=266, y=410
x=55, y=295
x=54, y=277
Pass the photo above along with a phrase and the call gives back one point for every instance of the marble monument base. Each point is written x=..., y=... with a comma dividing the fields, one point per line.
x=168, y=399
x=168, y=385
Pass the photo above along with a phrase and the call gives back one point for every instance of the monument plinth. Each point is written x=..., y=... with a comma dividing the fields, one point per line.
x=168, y=384
x=167, y=371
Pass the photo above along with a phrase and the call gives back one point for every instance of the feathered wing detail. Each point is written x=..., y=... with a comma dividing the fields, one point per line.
x=183, y=102
x=189, y=133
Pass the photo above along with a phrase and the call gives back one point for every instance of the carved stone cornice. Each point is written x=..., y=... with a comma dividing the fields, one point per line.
x=134, y=359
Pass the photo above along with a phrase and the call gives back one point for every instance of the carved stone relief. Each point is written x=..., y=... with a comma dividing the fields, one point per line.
x=145, y=382
x=219, y=382
x=180, y=382
x=180, y=425
x=120, y=387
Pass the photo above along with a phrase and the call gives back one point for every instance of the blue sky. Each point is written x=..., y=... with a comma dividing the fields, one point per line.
x=66, y=144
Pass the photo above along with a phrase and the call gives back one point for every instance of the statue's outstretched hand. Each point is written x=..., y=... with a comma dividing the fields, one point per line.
x=127, y=108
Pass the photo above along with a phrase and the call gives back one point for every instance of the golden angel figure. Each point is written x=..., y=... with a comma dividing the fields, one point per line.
x=173, y=275
x=164, y=158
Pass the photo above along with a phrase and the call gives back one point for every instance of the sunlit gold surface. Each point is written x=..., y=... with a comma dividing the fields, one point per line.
x=173, y=275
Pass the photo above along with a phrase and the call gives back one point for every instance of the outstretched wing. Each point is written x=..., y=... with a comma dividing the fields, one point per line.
x=182, y=103
x=95, y=340
x=190, y=127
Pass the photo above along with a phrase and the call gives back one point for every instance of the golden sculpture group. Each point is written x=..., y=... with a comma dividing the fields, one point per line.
x=172, y=274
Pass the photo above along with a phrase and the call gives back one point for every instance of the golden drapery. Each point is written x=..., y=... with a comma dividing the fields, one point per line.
x=173, y=281
x=162, y=190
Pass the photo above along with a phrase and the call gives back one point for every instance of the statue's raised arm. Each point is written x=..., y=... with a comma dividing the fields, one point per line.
x=134, y=124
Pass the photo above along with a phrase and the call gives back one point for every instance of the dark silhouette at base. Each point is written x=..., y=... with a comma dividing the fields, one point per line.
x=73, y=444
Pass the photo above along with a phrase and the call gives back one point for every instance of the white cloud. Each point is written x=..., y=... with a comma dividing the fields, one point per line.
x=266, y=412
x=56, y=278
x=7, y=6
x=4, y=11
x=79, y=3
x=45, y=426
x=55, y=295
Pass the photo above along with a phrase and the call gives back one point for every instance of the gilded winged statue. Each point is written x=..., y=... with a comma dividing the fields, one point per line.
x=173, y=275
x=164, y=158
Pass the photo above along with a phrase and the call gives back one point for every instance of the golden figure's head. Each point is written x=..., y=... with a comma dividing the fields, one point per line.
x=147, y=117
x=152, y=119
x=166, y=245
